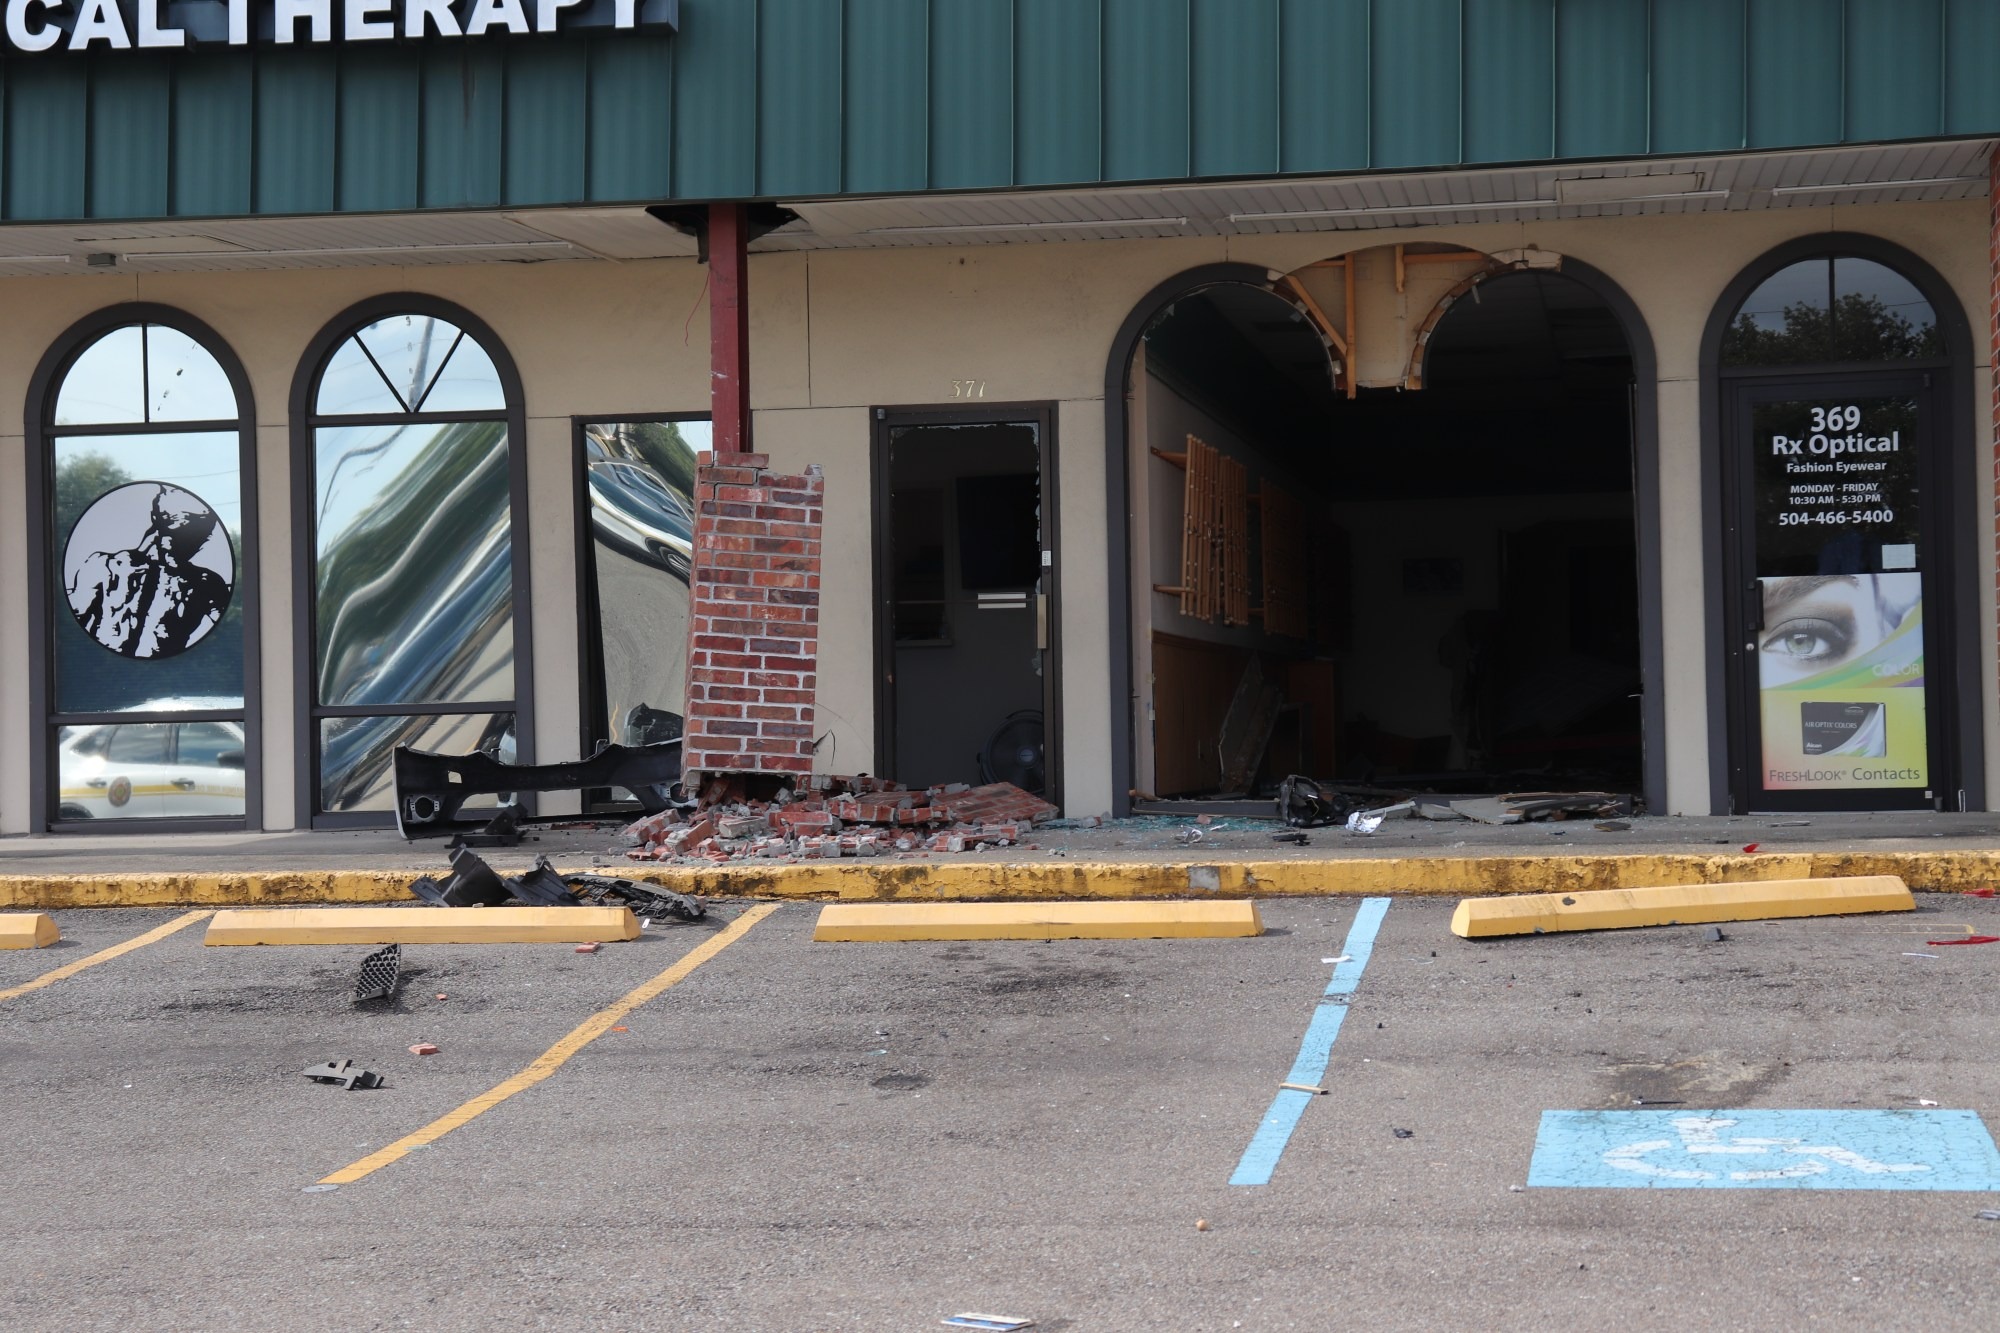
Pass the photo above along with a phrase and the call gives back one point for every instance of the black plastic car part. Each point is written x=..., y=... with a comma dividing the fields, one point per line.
x=431, y=788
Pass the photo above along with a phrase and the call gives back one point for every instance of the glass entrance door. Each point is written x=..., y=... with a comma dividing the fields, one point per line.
x=1838, y=593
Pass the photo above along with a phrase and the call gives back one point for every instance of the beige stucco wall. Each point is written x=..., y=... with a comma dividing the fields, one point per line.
x=837, y=333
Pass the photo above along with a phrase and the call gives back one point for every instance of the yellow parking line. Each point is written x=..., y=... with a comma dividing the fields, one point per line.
x=181, y=922
x=555, y=1056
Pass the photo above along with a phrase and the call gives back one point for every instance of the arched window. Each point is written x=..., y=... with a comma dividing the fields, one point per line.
x=1832, y=310
x=140, y=433
x=410, y=463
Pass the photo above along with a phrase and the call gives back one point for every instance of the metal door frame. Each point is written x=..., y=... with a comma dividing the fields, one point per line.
x=884, y=421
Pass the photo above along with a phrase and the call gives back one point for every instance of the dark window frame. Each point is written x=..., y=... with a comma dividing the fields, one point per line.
x=593, y=722
x=1954, y=445
x=44, y=788
x=304, y=420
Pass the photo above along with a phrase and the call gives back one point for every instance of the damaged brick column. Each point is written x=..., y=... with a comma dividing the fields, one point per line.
x=753, y=622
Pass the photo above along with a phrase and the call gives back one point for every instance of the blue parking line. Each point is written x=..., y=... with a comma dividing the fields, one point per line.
x=1267, y=1145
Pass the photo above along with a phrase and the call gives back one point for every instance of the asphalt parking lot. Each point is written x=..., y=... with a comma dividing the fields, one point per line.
x=804, y=1136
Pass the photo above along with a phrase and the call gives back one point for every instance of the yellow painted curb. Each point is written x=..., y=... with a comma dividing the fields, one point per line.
x=1037, y=921
x=27, y=930
x=1061, y=880
x=423, y=925
x=1681, y=904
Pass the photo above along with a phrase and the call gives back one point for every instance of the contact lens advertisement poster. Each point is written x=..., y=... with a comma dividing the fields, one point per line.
x=1841, y=673
x=1840, y=643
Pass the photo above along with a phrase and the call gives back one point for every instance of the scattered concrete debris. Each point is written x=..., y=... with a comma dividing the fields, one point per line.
x=344, y=1074
x=424, y=1048
x=1714, y=935
x=379, y=973
x=837, y=817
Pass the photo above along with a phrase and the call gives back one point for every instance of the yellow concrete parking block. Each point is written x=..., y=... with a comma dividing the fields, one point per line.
x=423, y=925
x=1681, y=904
x=27, y=930
x=1037, y=921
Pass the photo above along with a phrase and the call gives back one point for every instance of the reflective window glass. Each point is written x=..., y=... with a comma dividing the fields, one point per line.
x=209, y=744
x=468, y=383
x=414, y=563
x=138, y=743
x=107, y=384
x=184, y=382
x=1832, y=310
x=351, y=386
x=410, y=349
x=640, y=481
x=356, y=753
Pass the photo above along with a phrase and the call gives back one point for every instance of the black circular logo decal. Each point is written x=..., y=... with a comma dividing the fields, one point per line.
x=149, y=570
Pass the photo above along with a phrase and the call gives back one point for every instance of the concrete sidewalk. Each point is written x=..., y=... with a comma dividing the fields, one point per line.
x=1145, y=857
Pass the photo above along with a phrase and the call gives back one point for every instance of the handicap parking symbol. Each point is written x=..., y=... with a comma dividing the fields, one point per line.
x=1837, y=1150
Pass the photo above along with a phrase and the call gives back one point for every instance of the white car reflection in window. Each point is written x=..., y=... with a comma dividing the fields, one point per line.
x=151, y=770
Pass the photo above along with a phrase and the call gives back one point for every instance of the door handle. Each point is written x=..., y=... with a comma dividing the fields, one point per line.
x=185, y=784
x=1041, y=622
x=96, y=782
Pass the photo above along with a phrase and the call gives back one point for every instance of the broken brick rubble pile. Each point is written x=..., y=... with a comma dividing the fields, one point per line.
x=837, y=816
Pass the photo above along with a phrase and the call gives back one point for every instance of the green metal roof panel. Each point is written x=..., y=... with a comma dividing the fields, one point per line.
x=463, y=115
x=1235, y=108
x=972, y=93
x=799, y=98
x=1892, y=68
x=212, y=137
x=887, y=143
x=1145, y=89
x=1794, y=60
x=381, y=105
x=1697, y=76
x=298, y=104
x=1323, y=85
x=129, y=121
x=1414, y=117
x=47, y=112
x=1601, y=63
x=1058, y=108
x=1971, y=46
x=631, y=117
x=1510, y=80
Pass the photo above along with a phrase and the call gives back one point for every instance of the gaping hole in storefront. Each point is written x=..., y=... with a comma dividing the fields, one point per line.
x=1405, y=588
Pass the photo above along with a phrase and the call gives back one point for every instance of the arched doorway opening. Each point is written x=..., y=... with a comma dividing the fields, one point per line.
x=1447, y=589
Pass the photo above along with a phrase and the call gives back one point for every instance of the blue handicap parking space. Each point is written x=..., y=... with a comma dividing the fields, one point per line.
x=1818, y=1150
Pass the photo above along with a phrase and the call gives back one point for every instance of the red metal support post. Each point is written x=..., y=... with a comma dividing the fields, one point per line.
x=729, y=326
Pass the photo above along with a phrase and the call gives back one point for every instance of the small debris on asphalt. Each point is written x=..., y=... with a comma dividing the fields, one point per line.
x=591, y=947
x=343, y=1073
x=1001, y=1322
x=1714, y=935
x=1919, y=955
x=1201, y=1224
x=1751, y=847
x=424, y=1048
x=1655, y=1101
x=1988, y=1214
x=1404, y=1133
x=1296, y=837
x=379, y=973
x=1611, y=826
x=1979, y=893
x=443, y=996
